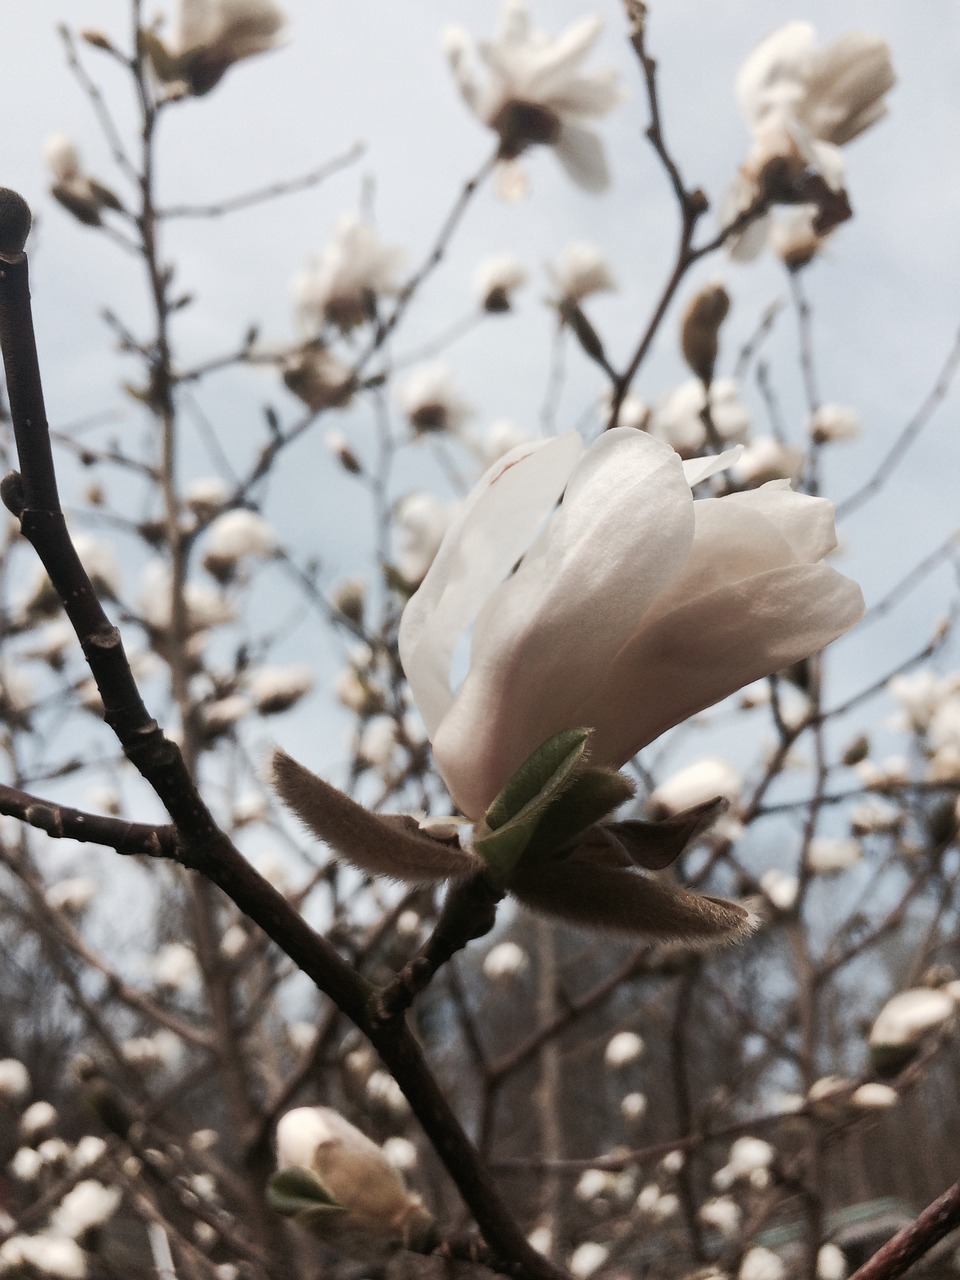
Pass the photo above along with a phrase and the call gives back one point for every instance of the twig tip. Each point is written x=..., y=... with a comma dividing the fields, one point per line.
x=15, y=222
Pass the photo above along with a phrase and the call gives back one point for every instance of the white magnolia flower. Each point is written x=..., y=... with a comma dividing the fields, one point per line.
x=633, y=1107
x=250, y=807
x=578, y=271
x=632, y=609
x=874, y=1096
x=318, y=377
x=831, y=1263
x=834, y=422
x=505, y=962
x=175, y=967
x=677, y=418
x=74, y=895
x=657, y=1205
x=587, y=1258
x=211, y=35
x=908, y=1016
x=26, y=1164
x=722, y=1214
x=354, y=267
x=768, y=459
x=377, y=744
x=695, y=784
x=205, y=606
x=431, y=399
x=275, y=689
x=747, y=1157
x=236, y=535
x=761, y=1264
x=793, y=236
x=38, y=1117
x=623, y=1049
x=14, y=1080
x=919, y=694
x=827, y=854
x=422, y=520
x=593, y=1183
x=536, y=92
x=206, y=495
x=780, y=888
x=48, y=1255
x=802, y=104
x=88, y=1204
x=378, y=1210
x=384, y=1090
x=81, y=195
x=495, y=279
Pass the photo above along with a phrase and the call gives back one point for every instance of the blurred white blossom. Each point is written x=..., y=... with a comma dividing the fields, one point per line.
x=88, y=1204
x=587, y=1258
x=276, y=689
x=833, y=422
x=695, y=784
x=209, y=36
x=505, y=962
x=578, y=271
x=14, y=1080
x=623, y=1049
x=535, y=91
x=678, y=420
x=760, y=1263
x=431, y=400
x=496, y=279
x=353, y=269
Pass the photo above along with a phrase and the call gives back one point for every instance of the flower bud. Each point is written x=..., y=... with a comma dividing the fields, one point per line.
x=350, y=1197
x=700, y=331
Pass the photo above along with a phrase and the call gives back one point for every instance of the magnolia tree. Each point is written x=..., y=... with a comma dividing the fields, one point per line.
x=546, y=984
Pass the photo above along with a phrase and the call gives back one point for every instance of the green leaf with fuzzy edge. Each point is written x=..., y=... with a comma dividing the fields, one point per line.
x=511, y=820
x=592, y=795
x=295, y=1191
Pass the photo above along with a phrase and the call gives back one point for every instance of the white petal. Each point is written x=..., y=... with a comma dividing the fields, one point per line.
x=697, y=470
x=806, y=523
x=548, y=634
x=713, y=645
x=775, y=60
x=581, y=153
x=488, y=536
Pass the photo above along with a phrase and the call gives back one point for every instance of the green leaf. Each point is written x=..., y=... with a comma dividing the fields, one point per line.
x=592, y=795
x=511, y=820
x=295, y=1191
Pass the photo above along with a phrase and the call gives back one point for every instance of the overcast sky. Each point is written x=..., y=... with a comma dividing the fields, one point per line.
x=887, y=295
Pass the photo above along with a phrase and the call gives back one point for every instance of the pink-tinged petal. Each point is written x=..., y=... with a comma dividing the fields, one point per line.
x=711, y=646
x=581, y=153
x=492, y=530
x=547, y=636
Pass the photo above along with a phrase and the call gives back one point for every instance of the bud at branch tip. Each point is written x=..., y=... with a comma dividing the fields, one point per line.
x=15, y=222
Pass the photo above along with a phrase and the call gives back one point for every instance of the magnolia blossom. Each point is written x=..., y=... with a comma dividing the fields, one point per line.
x=14, y=1080
x=768, y=459
x=505, y=962
x=802, y=104
x=780, y=888
x=354, y=268
x=235, y=535
x=623, y=1049
x=81, y=195
x=828, y=854
x=631, y=608
x=431, y=399
x=833, y=422
x=722, y=1214
x=831, y=1263
x=587, y=1258
x=633, y=1107
x=908, y=1016
x=46, y=1255
x=318, y=377
x=211, y=35
x=275, y=689
x=695, y=784
x=678, y=419
x=422, y=520
x=88, y=1204
x=536, y=92
x=378, y=1212
x=495, y=280
x=874, y=1096
x=761, y=1264
x=579, y=270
